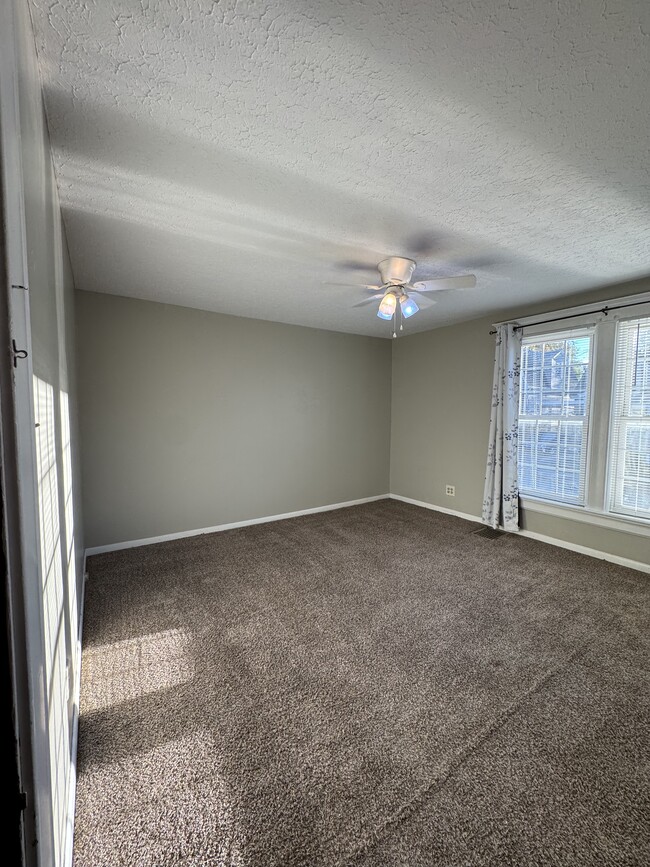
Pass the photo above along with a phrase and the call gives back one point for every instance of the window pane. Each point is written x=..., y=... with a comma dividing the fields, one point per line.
x=552, y=402
x=553, y=416
x=629, y=449
x=570, y=485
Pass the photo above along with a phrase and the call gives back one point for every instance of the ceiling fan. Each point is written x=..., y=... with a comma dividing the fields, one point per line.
x=395, y=291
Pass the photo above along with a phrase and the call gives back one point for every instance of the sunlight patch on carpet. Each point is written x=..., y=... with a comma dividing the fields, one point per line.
x=134, y=667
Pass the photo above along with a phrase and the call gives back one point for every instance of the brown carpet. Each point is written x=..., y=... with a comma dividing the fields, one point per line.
x=372, y=686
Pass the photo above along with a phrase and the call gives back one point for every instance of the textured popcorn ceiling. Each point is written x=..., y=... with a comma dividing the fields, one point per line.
x=234, y=156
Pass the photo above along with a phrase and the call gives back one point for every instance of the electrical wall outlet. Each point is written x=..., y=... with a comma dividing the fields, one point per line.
x=450, y=490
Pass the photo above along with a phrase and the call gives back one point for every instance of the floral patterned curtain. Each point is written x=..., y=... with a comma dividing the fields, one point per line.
x=501, y=497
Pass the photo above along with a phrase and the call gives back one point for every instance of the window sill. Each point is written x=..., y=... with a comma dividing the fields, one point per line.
x=636, y=526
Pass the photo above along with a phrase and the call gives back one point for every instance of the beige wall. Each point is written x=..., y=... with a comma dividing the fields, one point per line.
x=193, y=419
x=442, y=384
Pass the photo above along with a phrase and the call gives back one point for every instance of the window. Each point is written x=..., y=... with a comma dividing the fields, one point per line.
x=584, y=414
x=554, y=403
x=630, y=437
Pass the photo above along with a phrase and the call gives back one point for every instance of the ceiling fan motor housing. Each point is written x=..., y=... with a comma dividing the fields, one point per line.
x=396, y=270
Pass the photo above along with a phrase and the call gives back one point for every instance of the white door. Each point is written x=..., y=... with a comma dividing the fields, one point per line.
x=36, y=538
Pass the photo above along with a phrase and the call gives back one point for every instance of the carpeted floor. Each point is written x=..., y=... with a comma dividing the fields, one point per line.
x=372, y=686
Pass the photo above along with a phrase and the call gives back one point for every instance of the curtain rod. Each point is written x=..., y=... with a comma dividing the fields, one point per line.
x=604, y=310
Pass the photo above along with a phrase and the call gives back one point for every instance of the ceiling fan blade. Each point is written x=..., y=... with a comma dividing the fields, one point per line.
x=368, y=300
x=464, y=281
x=353, y=285
x=423, y=301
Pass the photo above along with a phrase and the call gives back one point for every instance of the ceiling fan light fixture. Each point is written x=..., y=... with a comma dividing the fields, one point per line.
x=408, y=306
x=396, y=270
x=395, y=285
x=387, y=306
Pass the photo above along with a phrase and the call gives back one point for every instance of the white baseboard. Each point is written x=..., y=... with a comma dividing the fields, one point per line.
x=529, y=534
x=136, y=543
x=424, y=505
x=590, y=552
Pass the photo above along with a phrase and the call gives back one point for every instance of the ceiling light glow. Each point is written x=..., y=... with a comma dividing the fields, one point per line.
x=387, y=306
x=408, y=306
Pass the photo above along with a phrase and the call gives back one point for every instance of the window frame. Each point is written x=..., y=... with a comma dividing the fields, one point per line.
x=612, y=479
x=551, y=337
x=596, y=507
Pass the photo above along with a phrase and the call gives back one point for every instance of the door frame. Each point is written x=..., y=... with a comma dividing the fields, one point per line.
x=19, y=477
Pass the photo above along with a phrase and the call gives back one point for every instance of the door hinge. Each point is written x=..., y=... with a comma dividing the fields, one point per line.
x=18, y=353
x=22, y=801
x=19, y=286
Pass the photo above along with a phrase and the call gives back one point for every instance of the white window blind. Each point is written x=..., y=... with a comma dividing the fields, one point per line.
x=629, y=454
x=554, y=407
